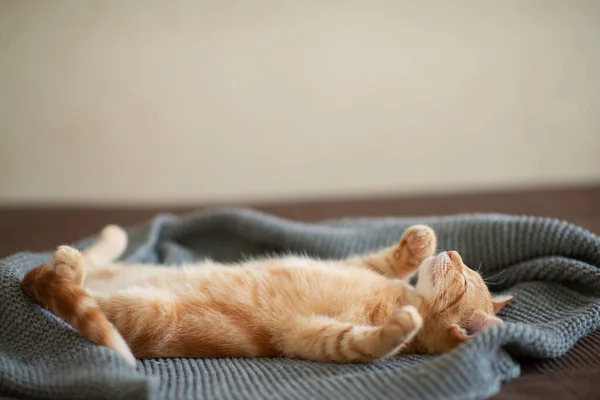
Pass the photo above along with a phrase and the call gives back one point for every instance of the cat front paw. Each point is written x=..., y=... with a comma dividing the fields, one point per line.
x=419, y=242
x=406, y=320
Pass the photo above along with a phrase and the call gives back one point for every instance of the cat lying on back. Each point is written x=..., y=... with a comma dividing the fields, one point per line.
x=359, y=309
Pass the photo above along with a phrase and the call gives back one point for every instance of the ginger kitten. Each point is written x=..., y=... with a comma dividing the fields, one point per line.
x=360, y=309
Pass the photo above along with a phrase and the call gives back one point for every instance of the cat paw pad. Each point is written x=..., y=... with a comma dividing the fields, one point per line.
x=420, y=241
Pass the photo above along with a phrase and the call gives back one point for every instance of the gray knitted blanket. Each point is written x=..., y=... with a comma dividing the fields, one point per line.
x=550, y=266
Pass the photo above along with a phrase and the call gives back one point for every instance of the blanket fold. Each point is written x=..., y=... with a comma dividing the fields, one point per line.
x=550, y=266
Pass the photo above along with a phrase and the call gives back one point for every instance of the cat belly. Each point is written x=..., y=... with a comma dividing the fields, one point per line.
x=115, y=278
x=231, y=312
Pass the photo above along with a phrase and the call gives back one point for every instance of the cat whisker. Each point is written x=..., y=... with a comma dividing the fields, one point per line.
x=493, y=279
x=478, y=269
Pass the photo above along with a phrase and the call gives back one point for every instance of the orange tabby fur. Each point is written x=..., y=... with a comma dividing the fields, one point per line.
x=360, y=309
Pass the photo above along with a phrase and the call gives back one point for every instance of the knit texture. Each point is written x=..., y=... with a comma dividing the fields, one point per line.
x=550, y=266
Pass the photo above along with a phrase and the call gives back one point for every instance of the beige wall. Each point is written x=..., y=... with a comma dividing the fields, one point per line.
x=185, y=101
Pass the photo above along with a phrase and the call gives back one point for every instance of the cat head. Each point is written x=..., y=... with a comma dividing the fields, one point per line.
x=458, y=303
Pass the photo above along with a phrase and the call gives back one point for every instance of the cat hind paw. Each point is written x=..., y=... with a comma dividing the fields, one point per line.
x=67, y=263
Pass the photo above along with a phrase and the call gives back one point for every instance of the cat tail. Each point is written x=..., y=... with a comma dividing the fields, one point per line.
x=57, y=287
x=111, y=244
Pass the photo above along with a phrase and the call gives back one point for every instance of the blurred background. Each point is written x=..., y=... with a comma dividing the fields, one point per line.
x=112, y=111
x=159, y=105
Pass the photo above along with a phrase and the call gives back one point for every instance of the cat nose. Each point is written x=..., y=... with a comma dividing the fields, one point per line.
x=454, y=256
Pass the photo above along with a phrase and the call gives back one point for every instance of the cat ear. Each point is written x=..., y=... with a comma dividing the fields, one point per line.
x=459, y=333
x=488, y=320
x=479, y=322
x=482, y=321
x=500, y=302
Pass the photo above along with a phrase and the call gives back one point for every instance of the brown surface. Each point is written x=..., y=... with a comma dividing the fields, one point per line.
x=42, y=228
x=573, y=376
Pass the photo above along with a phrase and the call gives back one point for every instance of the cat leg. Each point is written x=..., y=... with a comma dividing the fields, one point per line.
x=321, y=338
x=111, y=243
x=57, y=287
x=401, y=260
